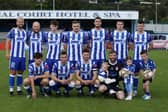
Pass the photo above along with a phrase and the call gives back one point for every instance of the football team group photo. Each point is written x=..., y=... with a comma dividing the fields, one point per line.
x=95, y=63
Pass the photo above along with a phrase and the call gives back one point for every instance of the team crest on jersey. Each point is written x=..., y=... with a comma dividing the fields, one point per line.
x=59, y=71
x=116, y=68
x=46, y=66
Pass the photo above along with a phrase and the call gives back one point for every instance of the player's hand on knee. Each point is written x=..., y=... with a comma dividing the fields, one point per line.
x=35, y=77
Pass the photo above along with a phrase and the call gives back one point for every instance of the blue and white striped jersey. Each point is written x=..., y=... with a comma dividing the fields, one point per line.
x=120, y=43
x=75, y=42
x=149, y=65
x=141, y=42
x=18, y=40
x=54, y=41
x=37, y=70
x=61, y=71
x=35, y=42
x=86, y=69
x=98, y=38
x=129, y=79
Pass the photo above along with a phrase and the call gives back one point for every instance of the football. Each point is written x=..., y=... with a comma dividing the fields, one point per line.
x=147, y=74
x=124, y=72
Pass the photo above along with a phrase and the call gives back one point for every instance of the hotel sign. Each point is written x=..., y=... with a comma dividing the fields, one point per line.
x=69, y=14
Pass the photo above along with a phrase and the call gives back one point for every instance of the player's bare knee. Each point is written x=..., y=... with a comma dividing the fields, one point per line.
x=26, y=81
x=13, y=72
x=120, y=95
x=44, y=82
x=102, y=88
x=20, y=72
x=77, y=82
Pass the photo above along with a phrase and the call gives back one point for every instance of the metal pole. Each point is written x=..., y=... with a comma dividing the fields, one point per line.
x=118, y=6
x=53, y=4
x=156, y=14
x=41, y=5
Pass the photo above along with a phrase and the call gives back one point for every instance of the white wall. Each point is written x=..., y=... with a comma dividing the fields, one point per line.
x=159, y=28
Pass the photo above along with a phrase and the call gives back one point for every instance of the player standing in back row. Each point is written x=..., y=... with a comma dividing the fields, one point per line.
x=141, y=40
x=75, y=40
x=98, y=37
x=35, y=39
x=120, y=38
x=54, y=40
x=17, y=37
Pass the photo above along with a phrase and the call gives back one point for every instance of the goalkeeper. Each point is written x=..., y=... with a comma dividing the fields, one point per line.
x=109, y=77
x=148, y=69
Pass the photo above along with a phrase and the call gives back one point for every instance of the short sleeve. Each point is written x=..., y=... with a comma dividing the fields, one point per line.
x=66, y=37
x=46, y=68
x=72, y=67
x=94, y=66
x=107, y=35
x=89, y=33
x=54, y=68
x=149, y=37
x=129, y=37
x=141, y=65
x=85, y=38
x=44, y=37
x=112, y=36
x=78, y=65
x=10, y=34
x=153, y=65
x=30, y=71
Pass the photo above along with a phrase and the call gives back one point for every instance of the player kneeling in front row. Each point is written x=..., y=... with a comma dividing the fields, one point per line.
x=148, y=69
x=86, y=74
x=127, y=73
x=107, y=85
x=38, y=76
x=62, y=74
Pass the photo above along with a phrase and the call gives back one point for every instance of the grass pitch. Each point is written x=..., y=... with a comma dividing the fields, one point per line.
x=158, y=103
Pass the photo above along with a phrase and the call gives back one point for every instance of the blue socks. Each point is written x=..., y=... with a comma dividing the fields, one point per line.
x=135, y=83
x=11, y=82
x=19, y=82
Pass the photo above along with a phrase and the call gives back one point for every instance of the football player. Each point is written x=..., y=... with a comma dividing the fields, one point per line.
x=86, y=74
x=38, y=76
x=98, y=37
x=17, y=64
x=112, y=81
x=120, y=39
x=62, y=74
x=140, y=40
x=147, y=64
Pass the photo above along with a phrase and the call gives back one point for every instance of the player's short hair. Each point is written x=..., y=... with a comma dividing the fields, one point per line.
x=63, y=52
x=98, y=18
x=75, y=22
x=119, y=21
x=112, y=52
x=38, y=55
x=54, y=22
x=140, y=22
x=85, y=50
x=128, y=58
x=144, y=52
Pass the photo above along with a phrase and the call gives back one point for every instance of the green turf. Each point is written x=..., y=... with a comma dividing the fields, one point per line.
x=159, y=102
